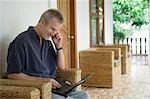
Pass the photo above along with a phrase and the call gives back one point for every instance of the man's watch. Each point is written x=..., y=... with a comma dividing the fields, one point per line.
x=59, y=48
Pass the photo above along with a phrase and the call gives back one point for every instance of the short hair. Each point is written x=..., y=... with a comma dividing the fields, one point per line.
x=50, y=14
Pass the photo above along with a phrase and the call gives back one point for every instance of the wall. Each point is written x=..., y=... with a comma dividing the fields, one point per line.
x=149, y=34
x=83, y=31
x=82, y=18
x=0, y=36
x=15, y=17
x=52, y=3
x=108, y=27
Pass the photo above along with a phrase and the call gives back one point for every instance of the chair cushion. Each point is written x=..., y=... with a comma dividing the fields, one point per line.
x=117, y=62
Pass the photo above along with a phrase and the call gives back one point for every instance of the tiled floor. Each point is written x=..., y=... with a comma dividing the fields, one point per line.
x=135, y=85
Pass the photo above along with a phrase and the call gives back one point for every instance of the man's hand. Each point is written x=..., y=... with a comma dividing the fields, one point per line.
x=55, y=84
x=57, y=39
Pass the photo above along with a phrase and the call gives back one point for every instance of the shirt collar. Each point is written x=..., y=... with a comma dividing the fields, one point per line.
x=33, y=32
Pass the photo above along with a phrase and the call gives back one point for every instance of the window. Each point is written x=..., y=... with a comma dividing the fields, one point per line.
x=96, y=22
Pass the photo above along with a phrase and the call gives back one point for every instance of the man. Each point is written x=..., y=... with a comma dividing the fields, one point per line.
x=31, y=55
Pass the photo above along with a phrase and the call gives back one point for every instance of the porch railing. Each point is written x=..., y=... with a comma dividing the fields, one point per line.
x=139, y=46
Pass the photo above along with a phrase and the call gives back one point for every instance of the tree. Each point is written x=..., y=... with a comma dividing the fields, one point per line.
x=129, y=12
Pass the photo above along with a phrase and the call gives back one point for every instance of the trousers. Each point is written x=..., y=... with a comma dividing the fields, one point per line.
x=74, y=95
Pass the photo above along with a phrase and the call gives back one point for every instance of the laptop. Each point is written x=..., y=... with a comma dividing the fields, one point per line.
x=67, y=88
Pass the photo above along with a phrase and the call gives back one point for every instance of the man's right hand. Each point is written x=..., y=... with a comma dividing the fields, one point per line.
x=55, y=84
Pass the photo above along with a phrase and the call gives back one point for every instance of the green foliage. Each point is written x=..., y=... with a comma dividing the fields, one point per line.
x=129, y=11
x=121, y=10
x=121, y=33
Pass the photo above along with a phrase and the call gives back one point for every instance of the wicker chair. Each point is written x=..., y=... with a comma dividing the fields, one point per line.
x=19, y=89
x=102, y=63
x=126, y=53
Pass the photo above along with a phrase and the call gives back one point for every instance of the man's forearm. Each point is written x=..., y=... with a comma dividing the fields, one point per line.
x=60, y=59
x=22, y=76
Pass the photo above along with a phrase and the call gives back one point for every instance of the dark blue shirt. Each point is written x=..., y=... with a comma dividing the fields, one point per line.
x=27, y=55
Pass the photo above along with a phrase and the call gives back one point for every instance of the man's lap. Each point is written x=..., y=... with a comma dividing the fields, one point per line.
x=74, y=95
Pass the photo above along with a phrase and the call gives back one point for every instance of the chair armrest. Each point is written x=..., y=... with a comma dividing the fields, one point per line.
x=71, y=74
x=128, y=46
x=45, y=88
x=117, y=51
x=96, y=57
x=102, y=64
x=19, y=92
x=124, y=48
x=3, y=75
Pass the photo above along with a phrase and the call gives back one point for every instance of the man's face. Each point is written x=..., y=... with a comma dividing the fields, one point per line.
x=50, y=29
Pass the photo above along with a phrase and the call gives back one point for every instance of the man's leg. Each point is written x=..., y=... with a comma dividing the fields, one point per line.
x=79, y=95
x=55, y=96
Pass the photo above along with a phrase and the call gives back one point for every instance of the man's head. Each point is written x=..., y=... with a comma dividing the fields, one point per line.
x=49, y=23
x=50, y=14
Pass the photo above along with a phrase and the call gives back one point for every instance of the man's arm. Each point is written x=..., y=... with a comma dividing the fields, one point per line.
x=22, y=76
x=57, y=40
x=60, y=59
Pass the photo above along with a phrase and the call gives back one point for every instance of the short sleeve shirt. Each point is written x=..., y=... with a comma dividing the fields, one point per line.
x=27, y=55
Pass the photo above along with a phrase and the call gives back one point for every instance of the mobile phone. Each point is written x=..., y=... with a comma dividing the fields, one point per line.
x=54, y=36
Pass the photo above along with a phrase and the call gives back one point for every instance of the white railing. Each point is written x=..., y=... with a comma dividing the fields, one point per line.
x=139, y=46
